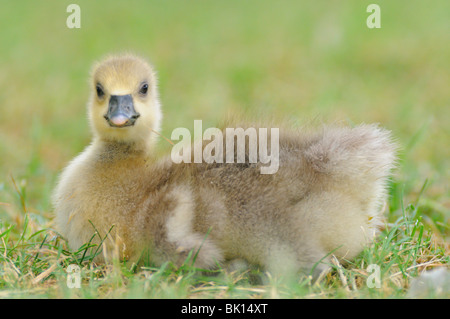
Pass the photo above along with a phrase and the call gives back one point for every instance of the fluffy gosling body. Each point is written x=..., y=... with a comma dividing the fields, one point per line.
x=327, y=195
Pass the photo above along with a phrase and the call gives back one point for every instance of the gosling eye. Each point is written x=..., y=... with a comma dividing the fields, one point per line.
x=143, y=90
x=100, y=92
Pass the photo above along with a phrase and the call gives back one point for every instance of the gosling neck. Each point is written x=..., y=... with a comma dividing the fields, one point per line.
x=112, y=151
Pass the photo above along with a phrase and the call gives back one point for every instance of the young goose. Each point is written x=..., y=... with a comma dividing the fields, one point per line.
x=326, y=196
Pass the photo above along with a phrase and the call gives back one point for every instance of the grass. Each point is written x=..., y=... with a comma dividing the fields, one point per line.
x=306, y=61
x=35, y=262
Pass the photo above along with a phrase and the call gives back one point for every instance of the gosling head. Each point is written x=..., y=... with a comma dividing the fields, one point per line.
x=124, y=105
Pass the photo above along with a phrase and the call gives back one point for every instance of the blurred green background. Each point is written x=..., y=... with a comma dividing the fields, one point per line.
x=305, y=61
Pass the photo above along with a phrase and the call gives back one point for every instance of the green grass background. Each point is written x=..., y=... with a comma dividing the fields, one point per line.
x=305, y=61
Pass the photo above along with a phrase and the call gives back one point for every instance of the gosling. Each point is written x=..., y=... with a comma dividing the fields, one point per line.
x=325, y=199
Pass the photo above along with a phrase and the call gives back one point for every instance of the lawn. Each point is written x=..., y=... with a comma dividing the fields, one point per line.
x=304, y=61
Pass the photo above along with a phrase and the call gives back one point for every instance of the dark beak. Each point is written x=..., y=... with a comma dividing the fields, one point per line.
x=121, y=112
